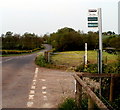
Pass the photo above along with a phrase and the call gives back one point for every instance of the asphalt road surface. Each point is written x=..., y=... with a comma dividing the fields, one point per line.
x=25, y=85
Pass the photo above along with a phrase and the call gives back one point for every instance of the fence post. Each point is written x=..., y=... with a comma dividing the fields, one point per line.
x=78, y=95
x=46, y=55
x=90, y=102
x=111, y=89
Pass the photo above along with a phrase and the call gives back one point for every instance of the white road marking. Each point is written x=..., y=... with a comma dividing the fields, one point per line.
x=44, y=92
x=45, y=97
x=6, y=60
x=34, y=80
x=32, y=92
x=31, y=96
x=34, y=83
x=44, y=87
x=33, y=87
x=43, y=80
x=29, y=104
x=36, y=70
x=75, y=86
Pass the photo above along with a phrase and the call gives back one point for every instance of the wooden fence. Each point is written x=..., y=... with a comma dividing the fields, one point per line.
x=92, y=98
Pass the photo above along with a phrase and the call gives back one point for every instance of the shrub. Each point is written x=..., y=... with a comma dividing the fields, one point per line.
x=93, y=68
x=68, y=104
x=111, y=68
x=40, y=60
x=79, y=68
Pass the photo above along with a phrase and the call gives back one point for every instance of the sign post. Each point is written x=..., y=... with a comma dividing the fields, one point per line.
x=100, y=46
x=95, y=20
x=100, y=40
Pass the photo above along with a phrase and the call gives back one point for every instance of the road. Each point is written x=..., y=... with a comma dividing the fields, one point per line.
x=24, y=84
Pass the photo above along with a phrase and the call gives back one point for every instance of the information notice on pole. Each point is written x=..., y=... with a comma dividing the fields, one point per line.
x=92, y=24
x=92, y=18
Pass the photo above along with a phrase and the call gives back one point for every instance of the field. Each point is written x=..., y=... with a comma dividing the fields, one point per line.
x=75, y=58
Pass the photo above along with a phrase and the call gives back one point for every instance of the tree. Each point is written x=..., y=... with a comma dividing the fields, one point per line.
x=8, y=34
x=27, y=41
x=109, y=33
x=66, y=39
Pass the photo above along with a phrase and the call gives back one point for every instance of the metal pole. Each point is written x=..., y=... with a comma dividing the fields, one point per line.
x=100, y=39
x=100, y=45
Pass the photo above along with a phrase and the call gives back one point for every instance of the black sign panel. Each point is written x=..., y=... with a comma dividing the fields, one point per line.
x=92, y=24
x=92, y=18
x=92, y=10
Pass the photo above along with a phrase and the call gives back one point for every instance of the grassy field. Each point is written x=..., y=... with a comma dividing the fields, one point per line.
x=75, y=58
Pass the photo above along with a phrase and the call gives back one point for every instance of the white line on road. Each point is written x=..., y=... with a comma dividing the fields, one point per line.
x=6, y=60
x=36, y=70
x=34, y=83
x=29, y=104
x=45, y=97
x=32, y=92
x=44, y=92
x=43, y=80
x=31, y=96
x=34, y=80
x=44, y=87
x=75, y=86
x=32, y=87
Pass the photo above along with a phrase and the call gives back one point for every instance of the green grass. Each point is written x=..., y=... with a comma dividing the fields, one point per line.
x=75, y=58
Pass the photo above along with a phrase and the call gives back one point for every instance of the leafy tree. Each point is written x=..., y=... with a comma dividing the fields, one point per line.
x=27, y=41
x=109, y=33
x=68, y=39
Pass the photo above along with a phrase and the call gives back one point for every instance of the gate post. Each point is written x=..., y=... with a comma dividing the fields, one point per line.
x=111, y=89
x=90, y=102
x=78, y=94
x=46, y=55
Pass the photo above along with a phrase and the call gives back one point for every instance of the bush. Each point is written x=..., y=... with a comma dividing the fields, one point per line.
x=111, y=68
x=79, y=68
x=116, y=103
x=68, y=104
x=40, y=60
x=93, y=68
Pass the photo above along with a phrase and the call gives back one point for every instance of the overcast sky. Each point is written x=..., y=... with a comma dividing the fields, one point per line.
x=47, y=16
